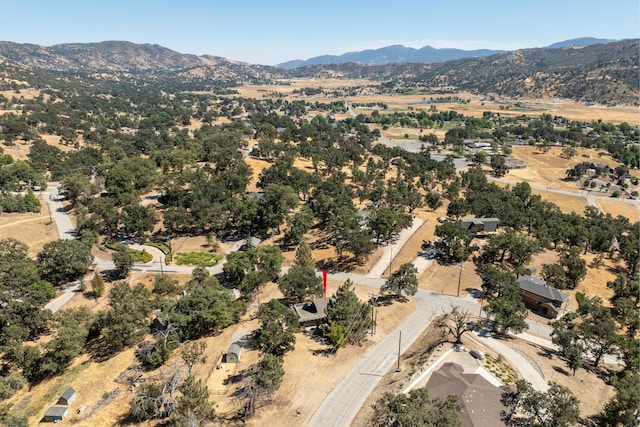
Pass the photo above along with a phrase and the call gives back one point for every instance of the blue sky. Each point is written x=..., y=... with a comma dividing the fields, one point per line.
x=271, y=32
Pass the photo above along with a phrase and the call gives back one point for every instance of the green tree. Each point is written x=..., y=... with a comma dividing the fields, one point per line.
x=597, y=328
x=498, y=165
x=623, y=408
x=403, y=280
x=346, y=310
x=301, y=281
x=123, y=259
x=63, y=261
x=273, y=338
x=125, y=321
x=433, y=200
x=97, y=285
x=301, y=222
x=192, y=352
x=193, y=407
x=278, y=324
x=17, y=270
x=556, y=407
x=457, y=208
x=415, y=409
x=505, y=304
x=137, y=221
x=385, y=222
x=78, y=188
x=276, y=204
x=454, y=241
x=575, y=267
x=165, y=285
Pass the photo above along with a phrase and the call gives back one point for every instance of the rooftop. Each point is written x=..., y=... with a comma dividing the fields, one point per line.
x=539, y=287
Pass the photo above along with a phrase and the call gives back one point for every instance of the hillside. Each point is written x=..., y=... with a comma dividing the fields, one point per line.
x=103, y=56
x=599, y=73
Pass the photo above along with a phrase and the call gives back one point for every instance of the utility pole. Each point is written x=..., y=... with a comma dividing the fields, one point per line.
x=460, y=277
x=399, y=341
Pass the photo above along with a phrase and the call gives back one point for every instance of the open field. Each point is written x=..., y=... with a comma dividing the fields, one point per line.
x=476, y=106
x=33, y=229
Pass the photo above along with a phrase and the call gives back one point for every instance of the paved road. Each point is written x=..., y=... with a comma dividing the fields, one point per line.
x=343, y=403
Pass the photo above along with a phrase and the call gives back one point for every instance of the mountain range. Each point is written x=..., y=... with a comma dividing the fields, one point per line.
x=397, y=54
x=586, y=69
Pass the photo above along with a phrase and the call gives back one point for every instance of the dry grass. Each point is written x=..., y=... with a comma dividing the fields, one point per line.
x=33, y=229
x=616, y=208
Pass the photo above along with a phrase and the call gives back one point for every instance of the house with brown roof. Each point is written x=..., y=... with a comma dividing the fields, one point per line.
x=541, y=298
x=481, y=401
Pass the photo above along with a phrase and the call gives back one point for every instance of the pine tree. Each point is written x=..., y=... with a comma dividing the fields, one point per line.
x=97, y=285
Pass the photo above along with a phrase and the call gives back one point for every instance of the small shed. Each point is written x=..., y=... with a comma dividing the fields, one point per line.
x=67, y=397
x=233, y=354
x=55, y=414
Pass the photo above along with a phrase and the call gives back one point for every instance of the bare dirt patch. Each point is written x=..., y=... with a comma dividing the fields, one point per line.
x=33, y=229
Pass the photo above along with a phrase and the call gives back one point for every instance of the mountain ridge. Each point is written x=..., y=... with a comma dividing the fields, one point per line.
x=598, y=73
x=426, y=54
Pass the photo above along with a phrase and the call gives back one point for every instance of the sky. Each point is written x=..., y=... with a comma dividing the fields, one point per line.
x=271, y=32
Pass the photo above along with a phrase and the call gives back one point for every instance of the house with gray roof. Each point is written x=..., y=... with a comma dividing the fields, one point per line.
x=542, y=298
x=480, y=225
x=311, y=313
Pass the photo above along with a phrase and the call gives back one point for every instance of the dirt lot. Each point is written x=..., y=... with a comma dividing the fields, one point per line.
x=33, y=229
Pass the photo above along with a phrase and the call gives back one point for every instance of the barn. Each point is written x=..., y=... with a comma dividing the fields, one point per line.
x=55, y=414
x=67, y=397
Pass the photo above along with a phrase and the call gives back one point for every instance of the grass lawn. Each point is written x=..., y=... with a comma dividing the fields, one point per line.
x=201, y=259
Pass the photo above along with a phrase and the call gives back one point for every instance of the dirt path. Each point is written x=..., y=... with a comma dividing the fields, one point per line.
x=393, y=249
x=13, y=224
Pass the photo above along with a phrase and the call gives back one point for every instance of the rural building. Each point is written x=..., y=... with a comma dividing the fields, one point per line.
x=233, y=354
x=67, y=397
x=512, y=163
x=480, y=225
x=311, y=313
x=481, y=400
x=55, y=414
x=540, y=298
